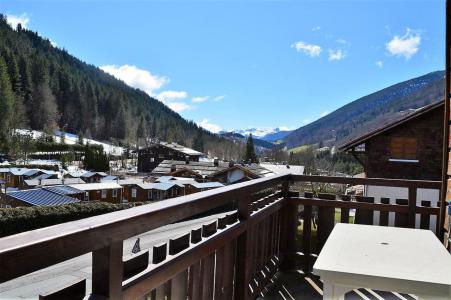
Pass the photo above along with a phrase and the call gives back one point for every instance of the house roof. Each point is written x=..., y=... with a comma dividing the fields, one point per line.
x=157, y=186
x=86, y=174
x=63, y=190
x=107, y=185
x=206, y=185
x=42, y=197
x=403, y=119
x=42, y=176
x=179, y=148
x=283, y=169
x=58, y=181
x=205, y=169
x=109, y=178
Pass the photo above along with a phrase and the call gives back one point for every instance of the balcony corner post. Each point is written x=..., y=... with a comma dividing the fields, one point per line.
x=107, y=271
x=244, y=253
x=288, y=231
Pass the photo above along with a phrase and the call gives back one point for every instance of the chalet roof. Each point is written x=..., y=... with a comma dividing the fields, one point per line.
x=179, y=148
x=157, y=186
x=63, y=190
x=42, y=176
x=201, y=167
x=86, y=174
x=283, y=169
x=42, y=197
x=403, y=119
x=109, y=178
x=108, y=185
x=206, y=185
x=57, y=181
x=206, y=169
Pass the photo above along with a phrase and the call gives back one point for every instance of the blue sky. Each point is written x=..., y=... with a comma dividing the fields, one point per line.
x=235, y=65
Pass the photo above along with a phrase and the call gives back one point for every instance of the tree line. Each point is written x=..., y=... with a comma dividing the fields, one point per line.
x=45, y=88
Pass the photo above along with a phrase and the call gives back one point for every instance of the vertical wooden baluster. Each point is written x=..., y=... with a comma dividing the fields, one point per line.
x=208, y=265
x=364, y=216
x=401, y=219
x=326, y=221
x=412, y=207
x=158, y=256
x=178, y=284
x=195, y=282
x=383, y=215
x=107, y=271
x=344, y=214
x=307, y=236
x=243, y=253
x=288, y=231
x=425, y=218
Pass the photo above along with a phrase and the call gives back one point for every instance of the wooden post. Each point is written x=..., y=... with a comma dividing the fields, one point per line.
x=107, y=271
x=307, y=236
x=288, y=231
x=243, y=253
x=412, y=207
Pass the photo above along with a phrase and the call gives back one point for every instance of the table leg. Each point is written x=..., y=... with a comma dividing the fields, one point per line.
x=334, y=292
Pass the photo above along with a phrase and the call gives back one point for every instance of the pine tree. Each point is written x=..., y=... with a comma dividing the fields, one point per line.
x=249, y=155
x=6, y=106
x=198, y=142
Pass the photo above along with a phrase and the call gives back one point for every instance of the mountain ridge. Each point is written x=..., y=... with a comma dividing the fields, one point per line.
x=365, y=113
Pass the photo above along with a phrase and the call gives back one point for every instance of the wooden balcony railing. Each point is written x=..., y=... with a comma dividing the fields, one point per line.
x=231, y=258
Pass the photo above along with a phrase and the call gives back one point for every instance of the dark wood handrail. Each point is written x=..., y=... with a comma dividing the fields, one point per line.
x=33, y=250
x=426, y=184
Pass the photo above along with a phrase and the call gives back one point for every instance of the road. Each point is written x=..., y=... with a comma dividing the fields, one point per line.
x=59, y=275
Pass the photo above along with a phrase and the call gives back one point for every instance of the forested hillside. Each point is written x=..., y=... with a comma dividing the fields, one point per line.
x=46, y=88
x=369, y=112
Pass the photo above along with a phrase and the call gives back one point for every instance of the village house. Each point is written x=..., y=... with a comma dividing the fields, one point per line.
x=87, y=176
x=109, y=191
x=409, y=147
x=150, y=157
x=15, y=177
x=35, y=197
x=155, y=191
x=217, y=171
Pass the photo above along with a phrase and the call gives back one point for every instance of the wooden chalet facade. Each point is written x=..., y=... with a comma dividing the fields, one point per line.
x=16, y=177
x=150, y=157
x=408, y=148
x=108, y=191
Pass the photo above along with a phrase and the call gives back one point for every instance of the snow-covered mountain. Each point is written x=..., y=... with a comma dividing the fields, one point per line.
x=266, y=134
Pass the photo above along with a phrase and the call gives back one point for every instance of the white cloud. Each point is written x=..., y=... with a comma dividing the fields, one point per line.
x=167, y=96
x=219, y=98
x=199, y=99
x=179, y=106
x=286, y=128
x=205, y=123
x=324, y=113
x=380, y=63
x=342, y=41
x=406, y=45
x=53, y=43
x=22, y=19
x=336, y=54
x=136, y=77
x=309, y=49
x=316, y=28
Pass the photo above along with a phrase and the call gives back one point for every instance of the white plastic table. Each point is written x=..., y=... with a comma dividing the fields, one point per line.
x=411, y=261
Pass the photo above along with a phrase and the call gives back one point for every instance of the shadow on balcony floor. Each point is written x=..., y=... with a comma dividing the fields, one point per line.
x=297, y=285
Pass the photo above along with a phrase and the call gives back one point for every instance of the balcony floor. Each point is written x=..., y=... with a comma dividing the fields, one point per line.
x=297, y=285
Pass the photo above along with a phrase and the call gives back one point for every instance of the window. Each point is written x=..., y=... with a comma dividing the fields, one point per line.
x=114, y=193
x=149, y=194
x=8, y=178
x=104, y=194
x=87, y=196
x=133, y=192
x=403, y=148
x=157, y=195
x=152, y=159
